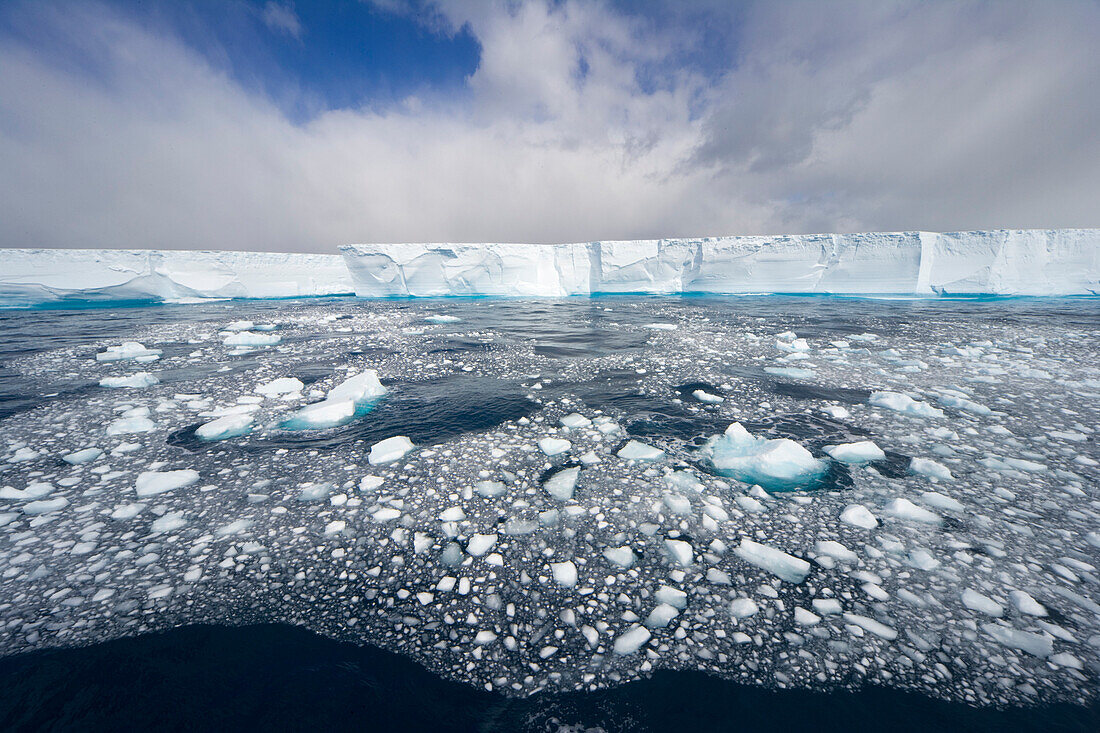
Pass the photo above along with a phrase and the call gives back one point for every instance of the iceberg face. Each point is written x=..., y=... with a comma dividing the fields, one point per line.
x=44, y=275
x=1003, y=262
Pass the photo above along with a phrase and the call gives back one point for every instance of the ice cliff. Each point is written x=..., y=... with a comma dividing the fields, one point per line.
x=1002, y=262
x=44, y=275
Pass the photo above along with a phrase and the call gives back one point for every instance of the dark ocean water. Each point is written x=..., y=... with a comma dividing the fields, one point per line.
x=277, y=677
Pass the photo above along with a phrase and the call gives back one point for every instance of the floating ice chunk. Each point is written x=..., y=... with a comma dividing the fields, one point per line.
x=389, y=450
x=170, y=522
x=452, y=514
x=743, y=608
x=922, y=559
x=975, y=601
x=127, y=511
x=363, y=387
x=82, y=456
x=907, y=510
x=661, y=326
x=661, y=616
x=679, y=552
x=783, y=566
x=226, y=427
x=1038, y=645
x=45, y=506
x=247, y=338
x=134, y=381
x=370, y=483
x=480, y=544
x=8, y=517
x=685, y=480
x=961, y=403
x=386, y=514
x=442, y=319
x=325, y=414
x=562, y=483
x=803, y=617
x=631, y=640
x=791, y=372
x=1024, y=603
x=128, y=350
x=341, y=405
x=126, y=425
x=554, y=446
x=835, y=550
x=931, y=469
x=280, y=386
x=233, y=528
x=620, y=556
x=707, y=397
x=151, y=483
x=862, y=451
x=34, y=490
x=23, y=454
x=490, y=489
x=565, y=573
x=638, y=451
x=774, y=464
x=858, y=515
x=575, y=420
x=877, y=628
x=939, y=501
x=671, y=596
x=836, y=411
x=827, y=606
x=904, y=404
x=485, y=637
x=677, y=504
x=239, y=326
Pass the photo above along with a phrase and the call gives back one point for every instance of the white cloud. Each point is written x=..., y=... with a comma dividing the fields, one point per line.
x=853, y=117
x=282, y=18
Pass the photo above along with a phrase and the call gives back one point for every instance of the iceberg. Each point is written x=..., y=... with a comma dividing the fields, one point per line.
x=999, y=262
x=775, y=464
x=32, y=276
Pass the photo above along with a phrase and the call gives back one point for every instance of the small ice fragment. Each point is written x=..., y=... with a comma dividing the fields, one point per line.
x=869, y=624
x=620, y=556
x=931, y=469
x=575, y=420
x=490, y=489
x=45, y=506
x=247, y=338
x=565, y=573
x=452, y=514
x=128, y=350
x=561, y=484
x=784, y=566
x=631, y=640
x=907, y=510
x=707, y=397
x=975, y=601
x=939, y=501
x=1024, y=603
x=671, y=596
x=835, y=550
x=637, y=451
x=827, y=606
x=82, y=456
x=679, y=552
x=134, y=381
x=126, y=425
x=389, y=450
x=661, y=616
x=858, y=515
x=442, y=319
x=743, y=608
x=1039, y=645
x=905, y=404
x=280, y=386
x=230, y=426
x=151, y=483
x=803, y=617
x=862, y=451
x=480, y=544
x=554, y=446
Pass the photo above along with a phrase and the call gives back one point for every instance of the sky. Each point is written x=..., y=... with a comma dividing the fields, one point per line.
x=291, y=126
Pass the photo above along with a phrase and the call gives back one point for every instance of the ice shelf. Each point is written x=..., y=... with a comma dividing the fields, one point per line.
x=29, y=276
x=1000, y=262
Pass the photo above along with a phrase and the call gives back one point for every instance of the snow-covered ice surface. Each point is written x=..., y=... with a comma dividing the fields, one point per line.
x=551, y=517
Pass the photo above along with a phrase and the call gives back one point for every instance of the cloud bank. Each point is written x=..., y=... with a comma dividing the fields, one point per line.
x=582, y=121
